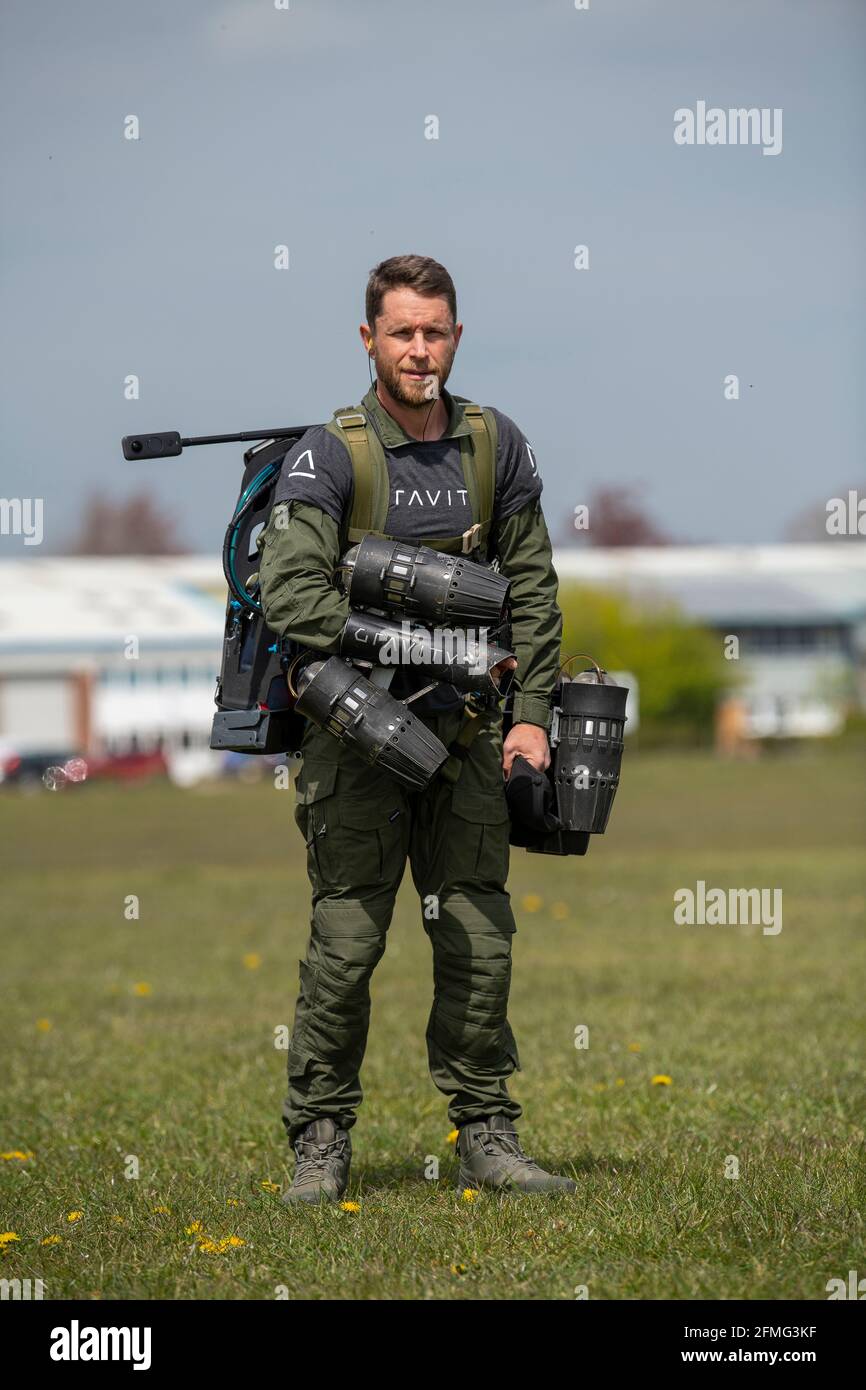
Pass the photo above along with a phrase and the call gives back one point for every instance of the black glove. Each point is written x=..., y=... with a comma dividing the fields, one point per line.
x=531, y=804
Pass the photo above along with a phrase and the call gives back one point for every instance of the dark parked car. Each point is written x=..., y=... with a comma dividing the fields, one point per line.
x=52, y=768
x=60, y=768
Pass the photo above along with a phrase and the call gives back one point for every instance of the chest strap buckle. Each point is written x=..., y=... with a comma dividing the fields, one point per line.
x=471, y=538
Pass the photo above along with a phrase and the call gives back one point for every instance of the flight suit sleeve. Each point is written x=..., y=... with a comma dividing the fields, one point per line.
x=300, y=549
x=526, y=558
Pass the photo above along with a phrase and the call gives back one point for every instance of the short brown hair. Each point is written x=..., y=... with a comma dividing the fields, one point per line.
x=420, y=273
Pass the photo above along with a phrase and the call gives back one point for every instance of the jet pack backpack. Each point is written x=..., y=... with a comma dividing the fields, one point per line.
x=255, y=703
x=255, y=711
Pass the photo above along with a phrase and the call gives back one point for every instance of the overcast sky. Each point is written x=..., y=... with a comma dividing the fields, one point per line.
x=306, y=127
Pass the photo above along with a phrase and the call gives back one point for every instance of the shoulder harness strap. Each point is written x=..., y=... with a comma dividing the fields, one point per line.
x=369, y=470
x=370, y=504
x=478, y=459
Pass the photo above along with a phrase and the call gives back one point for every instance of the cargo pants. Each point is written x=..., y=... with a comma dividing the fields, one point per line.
x=360, y=825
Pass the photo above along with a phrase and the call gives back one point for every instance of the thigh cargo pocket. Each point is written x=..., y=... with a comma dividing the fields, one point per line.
x=353, y=836
x=370, y=831
x=313, y=808
x=479, y=835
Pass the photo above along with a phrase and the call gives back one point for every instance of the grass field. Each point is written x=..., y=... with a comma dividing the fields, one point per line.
x=154, y=1038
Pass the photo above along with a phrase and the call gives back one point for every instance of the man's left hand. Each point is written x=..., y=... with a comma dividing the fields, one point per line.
x=530, y=740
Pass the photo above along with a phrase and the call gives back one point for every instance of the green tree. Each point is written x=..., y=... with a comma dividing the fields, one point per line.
x=680, y=666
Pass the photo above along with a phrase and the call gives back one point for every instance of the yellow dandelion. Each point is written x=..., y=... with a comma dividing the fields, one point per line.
x=661, y=1081
x=252, y=960
x=351, y=1206
x=559, y=911
x=51, y=1240
x=634, y=1047
x=7, y=1236
x=619, y=1081
x=236, y=1240
x=118, y=1220
x=232, y=1202
x=452, y=1137
x=44, y=1025
x=17, y=1153
x=531, y=902
x=191, y=1230
x=269, y=1186
x=74, y=1215
x=458, y=1269
x=161, y=1211
x=142, y=988
x=209, y=1247
x=469, y=1194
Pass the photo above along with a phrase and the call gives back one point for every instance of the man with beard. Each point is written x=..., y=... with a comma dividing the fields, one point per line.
x=435, y=451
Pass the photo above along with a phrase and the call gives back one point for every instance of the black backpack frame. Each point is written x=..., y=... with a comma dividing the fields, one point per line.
x=254, y=709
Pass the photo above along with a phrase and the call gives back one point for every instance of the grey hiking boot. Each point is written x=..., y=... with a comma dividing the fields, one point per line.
x=323, y=1153
x=491, y=1156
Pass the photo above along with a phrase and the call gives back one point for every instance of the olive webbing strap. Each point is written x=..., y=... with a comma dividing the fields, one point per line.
x=371, y=489
x=370, y=469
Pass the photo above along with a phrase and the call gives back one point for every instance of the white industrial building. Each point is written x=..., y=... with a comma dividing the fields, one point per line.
x=798, y=612
x=109, y=655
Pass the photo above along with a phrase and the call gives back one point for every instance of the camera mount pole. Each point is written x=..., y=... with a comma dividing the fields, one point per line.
x=169, y=444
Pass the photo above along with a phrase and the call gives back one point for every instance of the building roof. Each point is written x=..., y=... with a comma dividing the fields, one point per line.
x=88, y=604
x=785, y=584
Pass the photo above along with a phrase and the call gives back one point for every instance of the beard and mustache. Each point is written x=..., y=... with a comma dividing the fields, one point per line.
x=414, y=392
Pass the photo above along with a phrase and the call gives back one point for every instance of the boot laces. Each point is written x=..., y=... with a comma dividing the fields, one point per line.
x=507, y=1142
x=314, y=1159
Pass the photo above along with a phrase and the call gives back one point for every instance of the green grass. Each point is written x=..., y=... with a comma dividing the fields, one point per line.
x=762, y=1037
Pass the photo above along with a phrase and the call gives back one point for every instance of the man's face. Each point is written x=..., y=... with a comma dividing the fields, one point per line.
x=414, y=341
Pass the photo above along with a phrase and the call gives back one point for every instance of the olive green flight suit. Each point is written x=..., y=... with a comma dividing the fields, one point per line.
x=360, y=825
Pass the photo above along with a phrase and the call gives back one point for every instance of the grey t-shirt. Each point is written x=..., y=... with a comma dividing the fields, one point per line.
x=428, y=492
x=427, y=498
